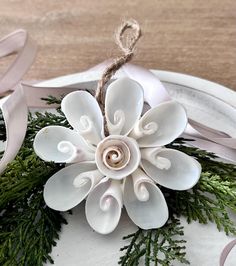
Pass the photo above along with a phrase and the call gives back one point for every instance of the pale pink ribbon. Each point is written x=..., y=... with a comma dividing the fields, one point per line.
x=15, y=108
x=226, y=251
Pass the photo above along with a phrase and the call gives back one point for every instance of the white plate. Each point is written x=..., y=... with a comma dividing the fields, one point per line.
x=79, y=245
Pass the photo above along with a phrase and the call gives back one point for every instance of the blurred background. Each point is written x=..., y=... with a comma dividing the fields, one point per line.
x=188, y=36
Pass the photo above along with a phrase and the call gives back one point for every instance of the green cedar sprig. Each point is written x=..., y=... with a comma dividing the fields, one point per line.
x=156, y=246
x=28, y=231
x=28, y=228
x=213, y=196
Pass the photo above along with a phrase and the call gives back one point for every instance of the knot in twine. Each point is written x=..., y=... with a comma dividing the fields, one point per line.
x=127, y=45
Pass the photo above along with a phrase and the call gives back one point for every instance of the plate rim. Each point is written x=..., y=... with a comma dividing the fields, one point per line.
x=212, y=88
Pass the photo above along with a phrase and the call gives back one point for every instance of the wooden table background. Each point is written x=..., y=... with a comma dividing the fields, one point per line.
x=196, y=37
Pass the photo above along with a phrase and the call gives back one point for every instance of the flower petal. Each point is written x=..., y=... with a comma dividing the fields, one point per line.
x=68, y=187
x=84, y=115
x=144, y=201
x=172, y=169
x=123, y=105
x=61, y=145
x=160, y=125
x=103, y=206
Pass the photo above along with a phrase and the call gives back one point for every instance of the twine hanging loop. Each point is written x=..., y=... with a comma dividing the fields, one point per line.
x=127, y=45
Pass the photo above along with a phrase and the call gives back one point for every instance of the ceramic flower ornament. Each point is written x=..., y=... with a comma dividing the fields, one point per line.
x=122, y=168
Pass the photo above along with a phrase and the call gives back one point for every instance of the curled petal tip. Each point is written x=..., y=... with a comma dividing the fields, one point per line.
x=103, y=206
x=144, y=202
x=152, y=155
x=67, y=188
x=122, y=94
x=183, y=173
x=61, y=145
x=160, y=125
x=84, y=115
x=142, y=193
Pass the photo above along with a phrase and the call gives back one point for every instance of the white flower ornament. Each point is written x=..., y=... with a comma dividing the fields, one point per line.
x=122, y=168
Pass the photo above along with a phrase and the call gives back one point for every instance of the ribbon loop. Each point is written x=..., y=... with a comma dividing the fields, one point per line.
x=14, y=108
x=17, y=42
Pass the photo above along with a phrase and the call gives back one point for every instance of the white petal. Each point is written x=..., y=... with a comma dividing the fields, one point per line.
x=144, y=201
x=152, y=155
x=123, y=105
x=103, y=206
x=84, y=115
x=68, y=187
x=61, y=145
x=160, y=125
x=183, y=171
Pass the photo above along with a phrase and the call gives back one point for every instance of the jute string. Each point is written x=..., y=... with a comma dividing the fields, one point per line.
x=127, y=46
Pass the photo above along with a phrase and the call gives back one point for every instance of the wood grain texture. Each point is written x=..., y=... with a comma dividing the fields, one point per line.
x=188, y=36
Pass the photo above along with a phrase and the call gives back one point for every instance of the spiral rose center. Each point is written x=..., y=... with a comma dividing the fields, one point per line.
x=117, y=156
